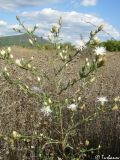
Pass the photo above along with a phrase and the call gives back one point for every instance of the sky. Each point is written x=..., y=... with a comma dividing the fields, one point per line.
x=74, y=13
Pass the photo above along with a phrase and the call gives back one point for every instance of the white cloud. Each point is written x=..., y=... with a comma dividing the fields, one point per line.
x=3, y=23
x=73, y=24
x=13, y=4
x=3, y=27
x=88, y=2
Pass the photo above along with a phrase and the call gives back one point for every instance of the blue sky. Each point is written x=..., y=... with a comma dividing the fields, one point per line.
x=45, y=13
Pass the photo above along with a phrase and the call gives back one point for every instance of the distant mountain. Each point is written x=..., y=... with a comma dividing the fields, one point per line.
x=19, y=40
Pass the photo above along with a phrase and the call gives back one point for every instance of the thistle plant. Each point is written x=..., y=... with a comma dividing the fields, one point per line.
x=57, y=135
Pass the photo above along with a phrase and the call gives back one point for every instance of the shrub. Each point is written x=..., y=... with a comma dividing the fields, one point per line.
x=42, y=121
x=112, y=45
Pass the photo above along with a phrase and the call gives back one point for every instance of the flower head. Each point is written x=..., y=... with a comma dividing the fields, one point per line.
x=18, y=62
x=100, y=28
x=9, y=49
x=50, y=36
x=11, y=56
x=38, y=79
x=58, y=47
x=30, y=29
x=30, y=41
x=117, y=99
x=115, y=108
x=3, y=52
x=32, y=58
x=5, y=69
x=100, y=51
x=72, y=107
x=102, y=100
x=87, y=143
x=46, y=110
x=55, y=28
x=80, y=46
x=29, y=65
x=16, y=135
x=61, y=55
x=96, y=39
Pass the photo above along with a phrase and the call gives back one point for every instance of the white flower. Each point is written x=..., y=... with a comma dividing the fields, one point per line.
x=63, y=51
x=102, y=100
x=27, y=87
x=87, y=143
x=79, y=98
x=100, y=51
x=96, y=39
x=49, y=100
x=45, y=103
x=32, y=58
x=46, y=110
x=86, y=59
x=30, y=29
x=99, y=146
x=38, y=79
x=34, y=68
x=117, y=99
x=58, y=47
x=61, y=55
x=72, y=107
x=87, y=64
x=9, y=49
x=29, y=65
x=11, y=56
x=3, y=52
x=55, y=28
x=50, y=36
x=18, y=62
x=65, y=57
x=7, y=74
x=92, y=79
x=32, y=147
x=5, y=69
x=66, y=64
x=80, y=46
x=16, y=135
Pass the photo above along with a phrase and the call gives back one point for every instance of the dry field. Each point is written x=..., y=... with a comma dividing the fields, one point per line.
x=17, y=113
x=107, y=78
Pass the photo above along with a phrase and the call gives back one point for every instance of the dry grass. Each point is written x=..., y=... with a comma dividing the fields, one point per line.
x=21, y=113
x=107, y=78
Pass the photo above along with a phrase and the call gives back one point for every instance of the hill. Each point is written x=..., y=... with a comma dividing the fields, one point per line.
x=19, y=40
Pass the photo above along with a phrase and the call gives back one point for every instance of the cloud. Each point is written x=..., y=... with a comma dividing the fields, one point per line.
x=74, y=23
x=3, y=23
x=3, y=27
x=13, y=4
x=88, y=2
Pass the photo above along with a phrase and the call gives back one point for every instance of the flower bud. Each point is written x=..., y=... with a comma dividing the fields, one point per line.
x=9, y=49
x=38, y=79
x=87, y=143
x=92, y=33
x=100, y=28
x=115, y=108
x=30, y=41
x=3, y=52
